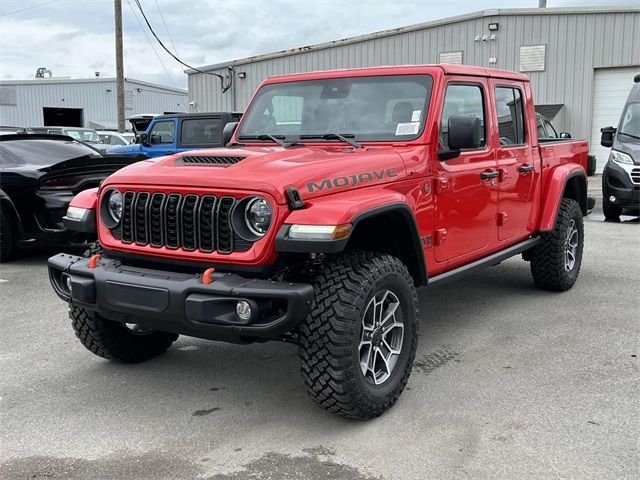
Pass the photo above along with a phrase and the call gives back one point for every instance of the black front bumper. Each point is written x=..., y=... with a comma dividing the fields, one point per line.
x=180, y=302
x=617, y=182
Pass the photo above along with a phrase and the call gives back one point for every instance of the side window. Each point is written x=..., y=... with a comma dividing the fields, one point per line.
x=201, y=131
x=162, y=132
x=462, y=100
x=542, y=133
x=551, y=132
x=510, y=108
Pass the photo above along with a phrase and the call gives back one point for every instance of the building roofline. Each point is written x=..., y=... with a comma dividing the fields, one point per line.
x=47, y=81
x=419, y=26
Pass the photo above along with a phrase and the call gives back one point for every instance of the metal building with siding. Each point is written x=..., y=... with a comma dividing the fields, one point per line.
x=81, y=102
x=581, y=61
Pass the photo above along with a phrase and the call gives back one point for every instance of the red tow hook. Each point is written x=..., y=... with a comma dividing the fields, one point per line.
x=93, y=261
x=207, y=276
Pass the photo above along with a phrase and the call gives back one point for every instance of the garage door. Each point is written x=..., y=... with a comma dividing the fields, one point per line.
x=610, y=90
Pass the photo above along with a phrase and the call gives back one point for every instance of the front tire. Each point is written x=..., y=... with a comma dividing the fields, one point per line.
x=358, y=343
x=115, y=341
x=556, y=260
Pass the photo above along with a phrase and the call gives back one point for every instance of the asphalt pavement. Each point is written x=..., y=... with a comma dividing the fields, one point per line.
x=510, y=382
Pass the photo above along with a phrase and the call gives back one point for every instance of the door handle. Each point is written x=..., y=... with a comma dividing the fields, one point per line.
x=489, y=174
x=525, y=168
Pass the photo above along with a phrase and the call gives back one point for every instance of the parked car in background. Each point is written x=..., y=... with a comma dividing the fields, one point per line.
x=39, y=174
x=169, y=134
x=621, y=174
x=112, y=139
x=130, y=137
x=5, y=129
x=85, y=135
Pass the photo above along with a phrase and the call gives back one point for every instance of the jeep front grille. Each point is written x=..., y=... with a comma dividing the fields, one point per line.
x=188, y=222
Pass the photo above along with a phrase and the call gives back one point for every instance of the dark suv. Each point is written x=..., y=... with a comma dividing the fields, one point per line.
x=621, y=175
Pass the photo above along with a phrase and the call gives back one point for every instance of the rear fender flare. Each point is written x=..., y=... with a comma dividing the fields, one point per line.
x=566, y=181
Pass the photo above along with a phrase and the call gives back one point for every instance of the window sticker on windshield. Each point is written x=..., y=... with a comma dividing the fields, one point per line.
x=415, y=116
x=407, y=128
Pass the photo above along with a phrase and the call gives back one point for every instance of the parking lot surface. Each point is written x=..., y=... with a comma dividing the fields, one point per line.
x=509, y=382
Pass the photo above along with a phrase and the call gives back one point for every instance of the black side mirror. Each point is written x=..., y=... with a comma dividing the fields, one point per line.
x=565, y=135
x=464, y=132
x=143, y=139
x=606, y=140
x=227, y=132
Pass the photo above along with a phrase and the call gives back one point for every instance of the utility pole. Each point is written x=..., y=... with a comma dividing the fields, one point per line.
x=119, y=65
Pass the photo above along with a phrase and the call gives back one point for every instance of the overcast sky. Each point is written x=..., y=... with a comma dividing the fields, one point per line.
x=74, y=38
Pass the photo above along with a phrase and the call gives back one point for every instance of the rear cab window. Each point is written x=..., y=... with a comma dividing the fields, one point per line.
x=511, y=119
x=201, y=131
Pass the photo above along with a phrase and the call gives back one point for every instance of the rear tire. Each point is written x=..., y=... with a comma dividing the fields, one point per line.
x=351, y=365
x=8, y=248
x=556, y=260
x=114, y=341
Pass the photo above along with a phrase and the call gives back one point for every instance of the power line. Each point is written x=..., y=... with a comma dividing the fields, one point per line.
x=224, y=88
x=166, y=28
x=28, y=8
x=151, y=44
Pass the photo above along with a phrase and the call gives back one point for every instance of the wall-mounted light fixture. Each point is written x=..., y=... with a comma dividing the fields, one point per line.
x=494, y=26
x=242, y=74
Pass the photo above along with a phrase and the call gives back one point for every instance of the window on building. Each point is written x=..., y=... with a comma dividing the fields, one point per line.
x=462, y=100
x=454, y=58
x=532, y=58
x=510, y=109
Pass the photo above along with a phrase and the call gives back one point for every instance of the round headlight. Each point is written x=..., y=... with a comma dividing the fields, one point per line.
x=257, y=215
x=114, y=205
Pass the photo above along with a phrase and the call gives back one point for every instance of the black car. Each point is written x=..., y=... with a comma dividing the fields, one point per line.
x=621, y=174
x=39, y=175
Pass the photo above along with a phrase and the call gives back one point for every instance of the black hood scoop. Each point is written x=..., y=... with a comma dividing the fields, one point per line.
x=223, y=160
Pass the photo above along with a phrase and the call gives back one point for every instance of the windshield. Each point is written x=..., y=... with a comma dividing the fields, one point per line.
x=381, y=108
x=83, y=135
x=630, y=123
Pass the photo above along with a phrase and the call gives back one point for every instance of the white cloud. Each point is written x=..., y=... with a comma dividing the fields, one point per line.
x=75, y=38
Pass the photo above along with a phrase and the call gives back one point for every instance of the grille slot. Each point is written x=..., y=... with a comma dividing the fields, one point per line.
x=155, y=219
x=189, y=222
x=209, y=160
x=225, y=234
x=140, y=218
x=127, y=217
x=635, y=176
x=206, y=223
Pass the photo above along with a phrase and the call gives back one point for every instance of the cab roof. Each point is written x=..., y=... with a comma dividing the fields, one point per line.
x=447, y=69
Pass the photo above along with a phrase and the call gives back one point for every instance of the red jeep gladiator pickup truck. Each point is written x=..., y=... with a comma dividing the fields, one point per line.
x=337, y=195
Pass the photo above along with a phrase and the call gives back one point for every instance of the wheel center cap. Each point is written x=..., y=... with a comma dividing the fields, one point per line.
x=377, y=337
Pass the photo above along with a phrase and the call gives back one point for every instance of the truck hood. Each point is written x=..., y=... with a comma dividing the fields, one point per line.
x=314, y=171
x=628, y=145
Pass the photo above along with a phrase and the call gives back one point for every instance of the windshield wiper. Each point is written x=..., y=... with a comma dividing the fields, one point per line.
x=345, y=137
x=629, y=135
x=274, y=138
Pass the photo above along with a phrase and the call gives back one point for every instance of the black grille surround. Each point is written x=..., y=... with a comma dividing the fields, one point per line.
x=187, y=222
x=224, y=160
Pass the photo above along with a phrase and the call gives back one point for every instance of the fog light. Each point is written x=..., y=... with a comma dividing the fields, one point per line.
x=66, y=283
x=243, y=310
x=612, y=198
